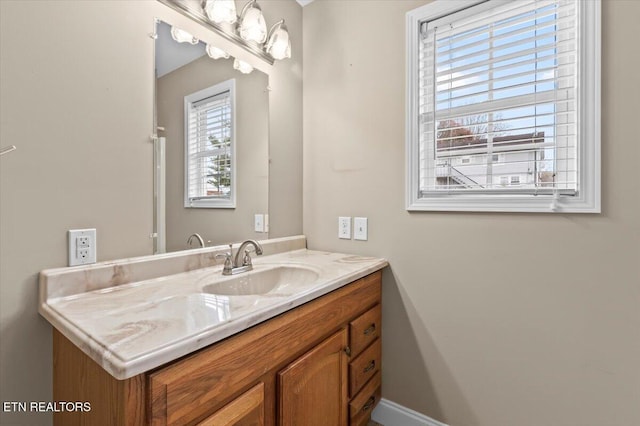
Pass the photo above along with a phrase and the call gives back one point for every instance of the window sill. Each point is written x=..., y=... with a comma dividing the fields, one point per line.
x=210, y=204
x=512, y=204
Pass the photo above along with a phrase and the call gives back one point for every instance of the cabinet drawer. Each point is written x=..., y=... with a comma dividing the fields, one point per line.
x=364, y=402
x=364, y=367
x=365, y=329
x=247, y=409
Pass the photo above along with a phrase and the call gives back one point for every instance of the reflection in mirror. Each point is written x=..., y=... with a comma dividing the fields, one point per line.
x=213, y=122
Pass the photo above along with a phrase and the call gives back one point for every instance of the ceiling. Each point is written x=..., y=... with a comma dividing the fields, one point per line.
x=171, y=55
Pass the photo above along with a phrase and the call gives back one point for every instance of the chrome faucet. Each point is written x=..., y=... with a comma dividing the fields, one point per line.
x=232, y=264
x=198, y=237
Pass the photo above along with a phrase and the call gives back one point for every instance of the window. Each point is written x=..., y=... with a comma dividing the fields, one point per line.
x=209, y=147
x=513, y=85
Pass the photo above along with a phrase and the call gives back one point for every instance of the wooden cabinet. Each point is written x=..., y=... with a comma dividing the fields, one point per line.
x=317, y=364
x=365, y=329
x=363, y=403
x=246, y=410
x=365, y=365
x=315, y=383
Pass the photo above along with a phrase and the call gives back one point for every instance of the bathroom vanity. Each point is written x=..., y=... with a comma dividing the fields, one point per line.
x=195, y=348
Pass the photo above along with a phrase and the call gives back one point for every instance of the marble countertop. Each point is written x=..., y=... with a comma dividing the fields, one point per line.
x=137, y=326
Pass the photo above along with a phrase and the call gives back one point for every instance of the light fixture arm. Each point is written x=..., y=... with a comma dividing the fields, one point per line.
x=279, y=24
x=252, y=3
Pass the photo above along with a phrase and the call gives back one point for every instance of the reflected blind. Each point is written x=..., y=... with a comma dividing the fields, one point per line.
x=498, y=107
x=209, y=148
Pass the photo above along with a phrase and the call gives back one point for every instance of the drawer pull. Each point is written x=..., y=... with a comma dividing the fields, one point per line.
x=370, y=366
x=370, y=329
x=369, y=403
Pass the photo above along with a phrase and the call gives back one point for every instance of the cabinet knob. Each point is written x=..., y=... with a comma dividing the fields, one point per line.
x=347, y=351
x=370, y=329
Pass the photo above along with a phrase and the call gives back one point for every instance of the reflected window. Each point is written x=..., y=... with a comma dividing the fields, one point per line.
x=209, y=147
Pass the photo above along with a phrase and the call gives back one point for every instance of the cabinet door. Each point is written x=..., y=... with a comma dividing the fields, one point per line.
x=245, y=410
x=312, y=390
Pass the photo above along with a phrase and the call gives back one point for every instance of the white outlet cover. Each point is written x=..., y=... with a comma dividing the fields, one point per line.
x=82, y=246
x=360, y=231
x=344, y=227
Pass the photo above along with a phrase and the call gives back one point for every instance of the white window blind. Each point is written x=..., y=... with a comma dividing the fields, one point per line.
x=497, y=100
x=209, y=148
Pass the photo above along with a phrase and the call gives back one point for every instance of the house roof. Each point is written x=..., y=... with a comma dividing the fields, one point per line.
x=453, y=143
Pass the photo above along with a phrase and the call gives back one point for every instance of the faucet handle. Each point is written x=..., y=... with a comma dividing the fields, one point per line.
x=246, y=260
x=225, y=256
x=228, y=266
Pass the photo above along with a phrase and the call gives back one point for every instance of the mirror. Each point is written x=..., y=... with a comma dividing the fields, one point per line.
x=232, y=164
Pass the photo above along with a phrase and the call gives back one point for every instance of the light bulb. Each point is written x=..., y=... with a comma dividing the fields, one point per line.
x=220, y=11
x=215, y=52
x=279, y=44
x=242, y=66
x=181, y=36
x=252, y=24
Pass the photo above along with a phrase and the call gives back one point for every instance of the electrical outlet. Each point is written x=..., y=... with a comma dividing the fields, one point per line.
x=83, y=254
x=344, y=227
x=82, y=241
x=82, y=246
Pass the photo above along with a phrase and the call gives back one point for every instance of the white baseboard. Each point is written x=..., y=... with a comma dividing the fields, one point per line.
x=388, y=413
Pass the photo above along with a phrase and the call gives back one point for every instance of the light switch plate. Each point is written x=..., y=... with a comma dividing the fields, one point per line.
x=259, y=223
x=344, y=227
x=360, y=228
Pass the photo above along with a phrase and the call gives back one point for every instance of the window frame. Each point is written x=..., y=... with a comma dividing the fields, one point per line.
x=213, y=202
x=588, y=198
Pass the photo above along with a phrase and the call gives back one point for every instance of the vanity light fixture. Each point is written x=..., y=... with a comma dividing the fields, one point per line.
x=220, y=11
x=215, y=52
x=252, y=25
x=278, y=42
x=181, y=36
x=242, y=66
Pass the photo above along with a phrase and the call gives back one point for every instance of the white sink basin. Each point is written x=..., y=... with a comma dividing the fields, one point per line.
x=280, y=281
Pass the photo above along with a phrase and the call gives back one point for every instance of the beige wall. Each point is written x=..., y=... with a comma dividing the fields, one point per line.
x=219, y=226
x=76, y=85
x=489, y=319
x=285, y=139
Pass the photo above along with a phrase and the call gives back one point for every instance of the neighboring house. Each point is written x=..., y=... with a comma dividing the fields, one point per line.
x=510, y=161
